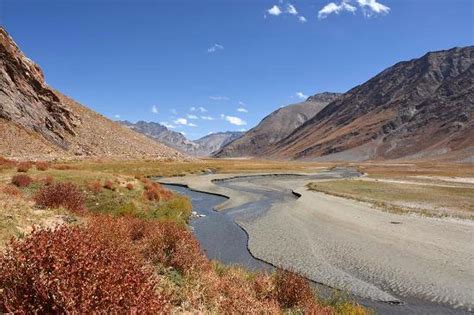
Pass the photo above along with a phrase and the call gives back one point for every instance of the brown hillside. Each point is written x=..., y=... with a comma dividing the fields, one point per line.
x=37, y=122
x=423, y=108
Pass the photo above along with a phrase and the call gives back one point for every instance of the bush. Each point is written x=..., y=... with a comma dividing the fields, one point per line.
x=21, y=180
x=294, y=291
x=42, y=166
x=151, y=195
x=11, y=191
x=130, y=186
x=73, y=270
x=65, y=195
x=164, y=243
x=109, y=185
x=95, y=186
x=156, y=192
x=24, y=167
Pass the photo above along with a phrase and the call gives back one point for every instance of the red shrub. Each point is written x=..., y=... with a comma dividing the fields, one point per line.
x=24, y=167
x=73, y=270
x=42, y=166
x=109, y=185
x=11, y=191
x=292, y=290
x=164, y=243
x=95, y=186
x=65, y=195
x=156, y=192
x=151, y=194
x=130, y=186
x=21, y=180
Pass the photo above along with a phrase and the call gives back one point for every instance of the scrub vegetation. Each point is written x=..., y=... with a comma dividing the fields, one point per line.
x=98, y=237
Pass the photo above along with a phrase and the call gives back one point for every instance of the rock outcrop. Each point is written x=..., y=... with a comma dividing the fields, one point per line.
x=37, y=122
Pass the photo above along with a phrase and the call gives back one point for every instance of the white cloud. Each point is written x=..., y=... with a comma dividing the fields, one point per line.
x=181, y=121
x=301, y=95
x=290, y=9
x=154, y=109
x=370, y=7
x=174, y=112
x=335, y=8
x=192, y=116
x=207, y=118
x=184, y=122
x=193, y=109
x=117, y=116
x=202, y=109
x=235, y=120
x=275, y=10
x=218, y=98
x=168, y=125
x=242, y=110
x=214, y=48
x=302, y=19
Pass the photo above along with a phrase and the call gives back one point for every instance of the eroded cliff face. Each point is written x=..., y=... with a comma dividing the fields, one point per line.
x=26, y=100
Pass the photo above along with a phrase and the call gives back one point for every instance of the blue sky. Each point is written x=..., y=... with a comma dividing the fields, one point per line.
x=206, y=66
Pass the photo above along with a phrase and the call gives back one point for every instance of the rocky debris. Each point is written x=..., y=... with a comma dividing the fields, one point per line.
x=276, y=126
x=38, y=122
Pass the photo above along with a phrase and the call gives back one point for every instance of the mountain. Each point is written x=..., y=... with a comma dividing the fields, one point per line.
x=37, y=122
x=422, y=108
x=215, y=141
x=201, y=147
x=276, y=126
x=162, y=134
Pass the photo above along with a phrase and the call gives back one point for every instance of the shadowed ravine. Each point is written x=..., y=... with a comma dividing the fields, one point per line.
x=223, y=237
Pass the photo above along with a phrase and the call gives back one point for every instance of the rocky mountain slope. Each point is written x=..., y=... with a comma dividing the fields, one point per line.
x=201, y=147
x=276, y=126
x=215, y=141
x=422, y=108
x=37, y=122
x=162, y=134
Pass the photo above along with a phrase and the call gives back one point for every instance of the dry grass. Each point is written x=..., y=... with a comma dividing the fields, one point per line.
x=427, y=200
x=18, y=215
x=409, y=169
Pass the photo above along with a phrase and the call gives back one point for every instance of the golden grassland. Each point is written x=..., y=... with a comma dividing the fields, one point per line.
x=424, y=199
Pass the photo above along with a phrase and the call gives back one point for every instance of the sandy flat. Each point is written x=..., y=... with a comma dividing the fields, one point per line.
x=351, y=246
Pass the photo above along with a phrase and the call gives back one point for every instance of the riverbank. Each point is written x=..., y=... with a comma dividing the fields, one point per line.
x=350, y=246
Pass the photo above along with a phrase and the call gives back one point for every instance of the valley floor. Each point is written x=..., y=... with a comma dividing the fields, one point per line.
x=350, y=245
